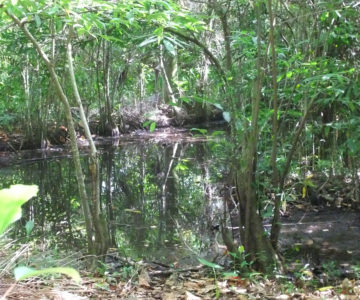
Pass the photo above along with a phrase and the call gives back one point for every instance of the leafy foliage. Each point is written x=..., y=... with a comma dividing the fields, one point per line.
x=11, y=200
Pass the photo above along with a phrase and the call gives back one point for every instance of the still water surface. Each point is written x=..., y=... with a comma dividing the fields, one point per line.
x=159, y=196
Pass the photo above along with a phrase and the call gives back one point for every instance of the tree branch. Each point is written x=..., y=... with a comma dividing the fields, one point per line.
x=207, y=52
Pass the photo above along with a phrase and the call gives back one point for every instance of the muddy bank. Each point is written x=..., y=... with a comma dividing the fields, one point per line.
x=163, y=135
x=321, y=235
x=129, y=121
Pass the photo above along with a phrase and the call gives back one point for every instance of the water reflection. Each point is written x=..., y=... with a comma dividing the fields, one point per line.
x=158, y=198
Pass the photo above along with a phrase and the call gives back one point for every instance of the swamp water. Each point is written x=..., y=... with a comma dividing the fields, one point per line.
x=157, y=193
x=160, y=196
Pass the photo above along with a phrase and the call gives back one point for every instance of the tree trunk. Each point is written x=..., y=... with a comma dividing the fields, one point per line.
x=26, y=81
x=167, y=72
x=109, y=126
x=74, y=148
x=275, y=174
x=101, y=235
x=253, y=237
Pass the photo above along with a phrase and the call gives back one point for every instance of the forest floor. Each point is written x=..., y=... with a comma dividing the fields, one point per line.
x=321, y=232
x=188, y=285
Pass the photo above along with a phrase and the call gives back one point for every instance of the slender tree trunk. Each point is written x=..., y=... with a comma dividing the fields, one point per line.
x=110, y=128
x=106, y=70
x=275, y=228
x=221, y=9
x=101, y=237
x=257, y=245
x=355, y=177
x=98, y=89
x=108, y=160
x=141, y=87
x=275, y=174
x=71, y=128
x=167, y=76
x=26, y=81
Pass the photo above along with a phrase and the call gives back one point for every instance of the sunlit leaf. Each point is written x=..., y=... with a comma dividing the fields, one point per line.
x=134, y=211
x=209, y=264
x=150, y=40
x=152, y=126
x=22, y=273
x=325, y=288
x=11, y=200
x=159, y=32
x=226, y=116
x=241, y=249
x=218, y=105
x=279, y=78
x=181, y=167
x=230, y=274
x=304, y=191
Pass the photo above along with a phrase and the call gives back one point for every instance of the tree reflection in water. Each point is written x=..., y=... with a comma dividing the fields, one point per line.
x=159, y=198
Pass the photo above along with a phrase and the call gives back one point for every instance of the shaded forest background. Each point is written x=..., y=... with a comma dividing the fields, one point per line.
x=283, y=74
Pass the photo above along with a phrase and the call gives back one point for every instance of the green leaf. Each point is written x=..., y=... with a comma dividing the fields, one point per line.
x=218, y=132
x=22, y=273
x=200, y=130
x=29, y=227
x=177, y=42
x=226, y=116
x=209, y=264
x=159, y=32
x=326, y=288
x=146, y=123
x=181, y=167
x=185, y=99
x=169, y=47
x=230, y=274
x=241, y=249
x=11, y=200
x=152, y=126
x=218, y=105
x=134, y=211
x=150, y=40
x=37, y=21
x=111, y=38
